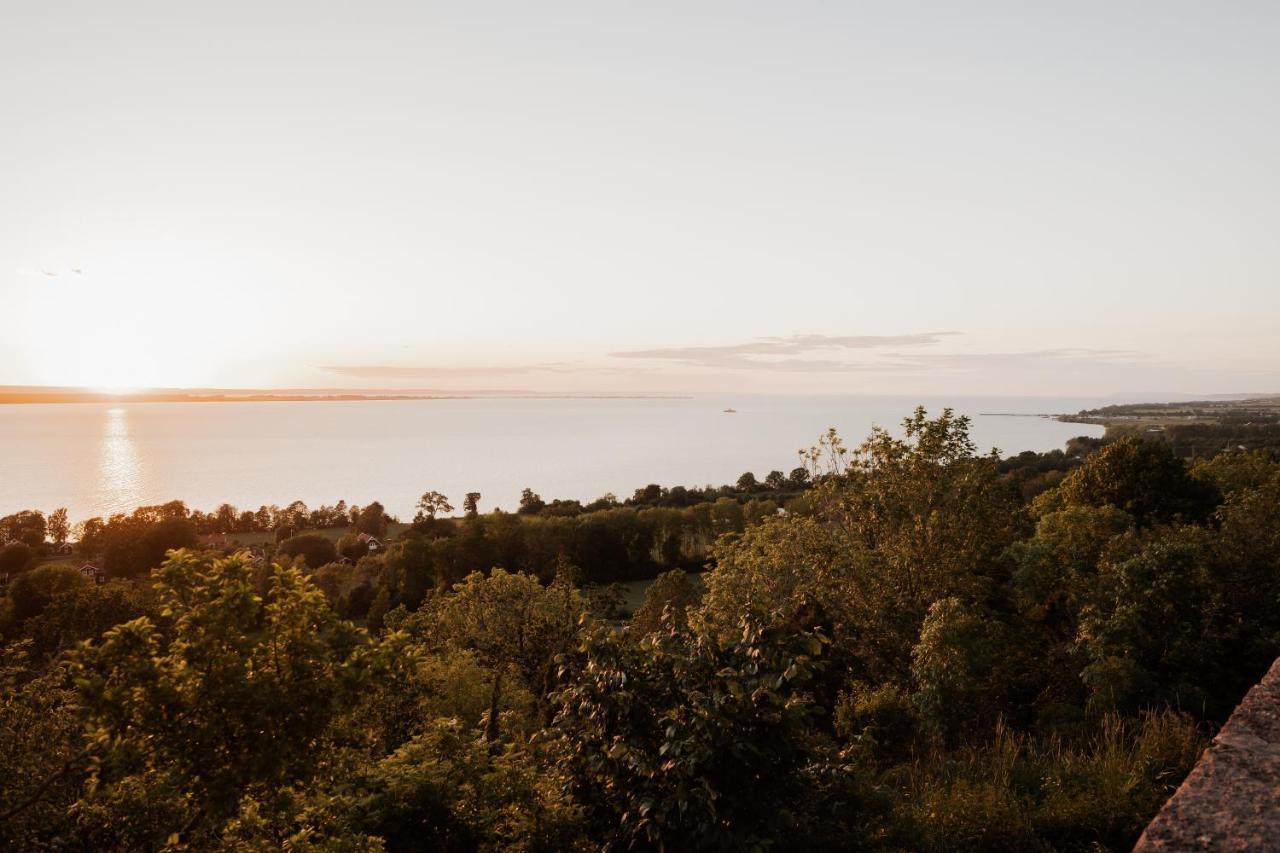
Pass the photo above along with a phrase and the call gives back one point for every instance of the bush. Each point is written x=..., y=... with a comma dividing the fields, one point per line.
x=672, y=589
x=15, y=557
x=31, y=591
x=315, y=549
x=883, y=720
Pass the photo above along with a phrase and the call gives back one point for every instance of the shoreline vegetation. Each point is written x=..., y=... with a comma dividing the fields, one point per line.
x=901, y=645
x=1191, y=427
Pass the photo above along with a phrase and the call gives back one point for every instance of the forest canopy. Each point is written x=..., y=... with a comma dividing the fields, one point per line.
x=914, y=646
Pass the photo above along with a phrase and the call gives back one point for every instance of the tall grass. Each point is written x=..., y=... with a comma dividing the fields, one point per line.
x=1023, y=793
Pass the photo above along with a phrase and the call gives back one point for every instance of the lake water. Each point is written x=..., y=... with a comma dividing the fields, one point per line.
x=96, y=459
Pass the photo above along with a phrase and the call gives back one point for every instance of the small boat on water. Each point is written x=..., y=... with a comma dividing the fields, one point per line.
x=731, y=411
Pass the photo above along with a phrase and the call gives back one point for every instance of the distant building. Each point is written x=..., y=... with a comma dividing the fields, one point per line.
x=372, y=543
x=93, y=573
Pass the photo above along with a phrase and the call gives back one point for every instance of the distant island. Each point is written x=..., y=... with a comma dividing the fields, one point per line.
x=18, y=394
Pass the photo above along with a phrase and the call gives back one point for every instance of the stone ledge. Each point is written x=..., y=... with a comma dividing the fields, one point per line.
x=1231, y=799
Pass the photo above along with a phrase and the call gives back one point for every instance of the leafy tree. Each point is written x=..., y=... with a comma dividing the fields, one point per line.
x=57, y=527
x=673, y=590
x=432, y=504
x=726, y=516
x=897, y=526
x=530, y=502
x=445, y=790
x=776, y=480
x=1143, y=478
x=747, y=482
x=219, y=705
x=32, y=591
x=951, y=664
x=676, y=741
x=471, y=504
x=315, y=549
x=83, y=611
x=352, y=547
x=130, y=546
x=929, y=519
x=784, y=566
x=163, y=536
x=16, y=557
x=1235, y=472
x=372, y=520
x=514, y=625
x=225, y=518
x=27, y=527
x=40, y=756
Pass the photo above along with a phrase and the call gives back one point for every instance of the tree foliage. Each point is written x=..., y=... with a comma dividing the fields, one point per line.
x=929, y=648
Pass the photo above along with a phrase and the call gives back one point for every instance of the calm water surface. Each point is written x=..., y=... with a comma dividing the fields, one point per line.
x=96, y=459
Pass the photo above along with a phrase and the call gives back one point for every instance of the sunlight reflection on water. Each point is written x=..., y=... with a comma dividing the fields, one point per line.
x=119, y=470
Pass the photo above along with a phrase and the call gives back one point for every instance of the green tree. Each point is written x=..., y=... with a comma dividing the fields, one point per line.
x=445, y=790
x=372, y=520
x=83, y=611
x=32, y=591
x=531, y=503
x=514, y=625
x=27, y=527
x=352, y=547
x=895, y=527
x=432, y=504
x=16, y=557
x=1142, y=478
x=222, y=704
x=58, y=527
x=670, y=590
x=676, y=741
x=951, y=664
x=471, y=504
x=41, y=762
x=315, y=549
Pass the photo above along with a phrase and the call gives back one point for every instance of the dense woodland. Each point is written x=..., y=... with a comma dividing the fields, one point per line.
x=899, y=646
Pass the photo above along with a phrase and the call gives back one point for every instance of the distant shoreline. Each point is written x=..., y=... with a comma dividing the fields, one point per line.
x=61, y=397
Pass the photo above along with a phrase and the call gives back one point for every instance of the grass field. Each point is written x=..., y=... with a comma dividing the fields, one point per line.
x=335, y=533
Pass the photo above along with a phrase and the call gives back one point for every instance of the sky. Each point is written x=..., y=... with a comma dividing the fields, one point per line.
x=982, y=198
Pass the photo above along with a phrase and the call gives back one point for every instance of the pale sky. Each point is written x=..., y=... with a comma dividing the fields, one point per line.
x=1052, y=198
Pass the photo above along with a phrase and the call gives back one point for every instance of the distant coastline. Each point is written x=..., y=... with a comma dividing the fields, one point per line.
x=18, y=395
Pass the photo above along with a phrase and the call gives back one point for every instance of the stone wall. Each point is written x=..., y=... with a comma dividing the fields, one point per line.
x=1231, y=800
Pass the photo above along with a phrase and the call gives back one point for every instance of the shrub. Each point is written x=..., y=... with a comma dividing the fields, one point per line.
x=315, y=549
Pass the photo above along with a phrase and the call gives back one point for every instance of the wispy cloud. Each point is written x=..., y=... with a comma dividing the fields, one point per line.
x=777, y=353
x=435, y=372
x=813, y=354
x=383, y=371
x=1025, y=359
x=874, y=354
